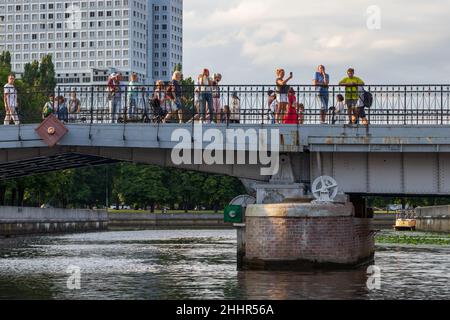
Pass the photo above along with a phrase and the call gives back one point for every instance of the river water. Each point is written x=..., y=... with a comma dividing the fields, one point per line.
x=200, y=264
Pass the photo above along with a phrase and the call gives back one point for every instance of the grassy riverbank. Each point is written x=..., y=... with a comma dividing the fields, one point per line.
x=413, y=238
x=160, y=211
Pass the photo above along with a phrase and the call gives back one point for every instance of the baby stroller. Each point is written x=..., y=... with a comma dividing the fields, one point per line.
x=157, y=113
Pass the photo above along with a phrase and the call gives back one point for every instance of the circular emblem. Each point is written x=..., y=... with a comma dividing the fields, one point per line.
x=325, y=189
x=51, y=131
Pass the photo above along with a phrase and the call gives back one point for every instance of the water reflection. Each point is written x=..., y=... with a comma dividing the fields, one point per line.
x=312, y=285
x=193, y=264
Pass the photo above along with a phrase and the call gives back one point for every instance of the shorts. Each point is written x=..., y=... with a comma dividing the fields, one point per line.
x=351, y=103
x=361, y=112
x=178, y=105
x=282, y=98
x=324, y=99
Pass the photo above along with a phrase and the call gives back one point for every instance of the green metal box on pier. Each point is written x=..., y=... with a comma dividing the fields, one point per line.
x=233, y=214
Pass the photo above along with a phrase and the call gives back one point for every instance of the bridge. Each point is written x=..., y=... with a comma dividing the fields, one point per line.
x=404, y=151
x=375, y=160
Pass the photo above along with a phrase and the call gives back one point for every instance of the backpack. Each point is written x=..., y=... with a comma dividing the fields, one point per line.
x=367, y=99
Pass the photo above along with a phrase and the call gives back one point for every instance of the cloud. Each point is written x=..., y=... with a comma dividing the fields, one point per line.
x=261, y=35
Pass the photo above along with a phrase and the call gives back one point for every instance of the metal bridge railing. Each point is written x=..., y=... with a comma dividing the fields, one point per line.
x=245, y=104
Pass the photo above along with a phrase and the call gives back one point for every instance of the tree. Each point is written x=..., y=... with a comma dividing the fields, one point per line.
x=178, y=67
x=31, y=74
x=5, y=67
x=5, y=59
x=47, y=80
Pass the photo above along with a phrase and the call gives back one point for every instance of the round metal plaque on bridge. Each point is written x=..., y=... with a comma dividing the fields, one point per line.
x=325, y=189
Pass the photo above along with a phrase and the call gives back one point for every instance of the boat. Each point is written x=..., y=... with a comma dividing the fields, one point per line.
x=406, y=221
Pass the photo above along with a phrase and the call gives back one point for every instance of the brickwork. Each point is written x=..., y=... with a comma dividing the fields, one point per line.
x=336, y=240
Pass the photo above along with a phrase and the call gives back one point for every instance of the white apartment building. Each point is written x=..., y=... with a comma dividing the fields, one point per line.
x=167, y=46
x=90, y=39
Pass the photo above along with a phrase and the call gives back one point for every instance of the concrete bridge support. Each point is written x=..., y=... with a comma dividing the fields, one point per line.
x=287, y=230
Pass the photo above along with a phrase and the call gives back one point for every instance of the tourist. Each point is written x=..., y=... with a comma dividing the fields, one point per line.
x=300, y=108
x=282, y=94
x=291, y=116
x=322, y=80
x=176, y=82
x=196, y=116
x=352, y=84
x=361, y=108
x=272, y=107
x=114, y=96
x=216, y=97
x=74, y=106
x=133, y=96
x=205, y=86
x=159, y=96
x=61, y=111
x=339, y=110
x=235, y=109
x=10, y=101
x=49, y=107
x=171, y=103
x=227, y=113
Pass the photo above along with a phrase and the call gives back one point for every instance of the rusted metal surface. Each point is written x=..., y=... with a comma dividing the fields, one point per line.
x=51, y=130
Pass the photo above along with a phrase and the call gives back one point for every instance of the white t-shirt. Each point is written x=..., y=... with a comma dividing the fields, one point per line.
x=205, y=84
x=340, y=108
x=273, y=106
x=12, y=95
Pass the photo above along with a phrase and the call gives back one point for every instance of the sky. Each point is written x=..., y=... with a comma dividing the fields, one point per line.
x=386, y=41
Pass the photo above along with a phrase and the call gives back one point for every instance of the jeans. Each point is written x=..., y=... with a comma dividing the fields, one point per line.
x=206, y=97
x=132, y=106
x=114, y=108
x=324, y=99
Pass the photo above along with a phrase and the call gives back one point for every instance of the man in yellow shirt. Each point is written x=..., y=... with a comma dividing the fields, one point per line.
x=352, y=85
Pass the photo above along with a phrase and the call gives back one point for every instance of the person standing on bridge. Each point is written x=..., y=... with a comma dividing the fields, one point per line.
x=49, y=107
x=352, y=84
x=133, y=96
x=10, y=101
x=272, y=107
x=176, y=82
x=114, y=96
x=62, y=112
x=205, y=85
x=321, y=81
x=216, y=97
x=74, y=106
x=282, y=94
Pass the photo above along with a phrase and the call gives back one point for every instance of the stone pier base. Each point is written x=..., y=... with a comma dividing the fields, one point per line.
x=299, y=236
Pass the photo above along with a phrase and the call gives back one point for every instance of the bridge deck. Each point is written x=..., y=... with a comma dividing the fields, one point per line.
x=314, y=138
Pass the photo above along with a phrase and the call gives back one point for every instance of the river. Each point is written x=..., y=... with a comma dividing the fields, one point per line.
x=200, y=264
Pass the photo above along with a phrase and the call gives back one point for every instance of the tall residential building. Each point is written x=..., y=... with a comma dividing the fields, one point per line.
x=90, y=39
x=167, y=47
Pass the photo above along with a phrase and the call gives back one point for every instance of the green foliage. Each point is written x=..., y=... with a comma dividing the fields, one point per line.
x=5, y=66
x=5, y=59
x=414, y=239
x=178, y=67
x=31, y=74
x=47, y=80
x=138, y=186
x=38, y=80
